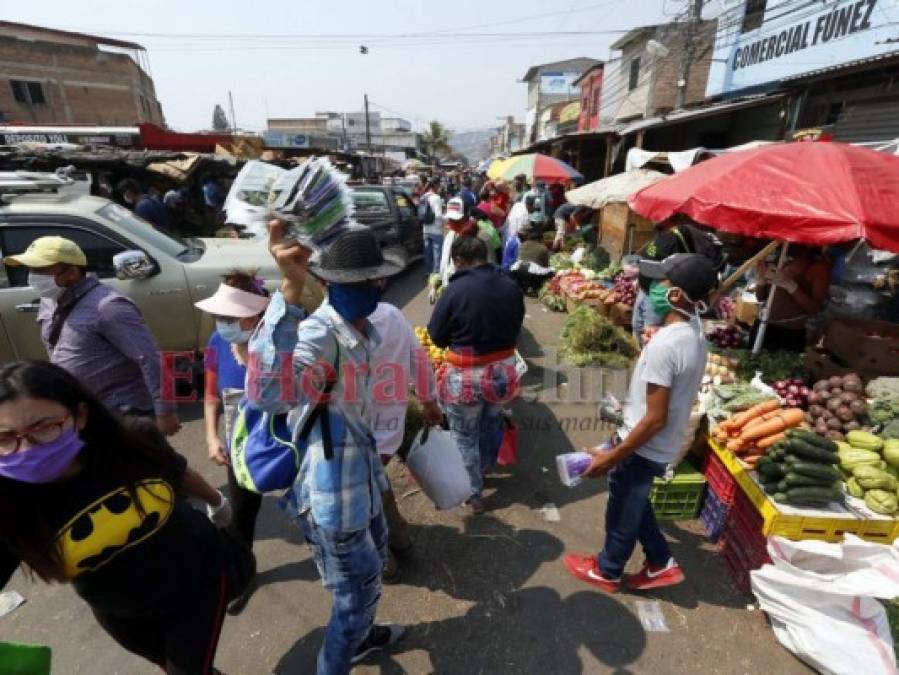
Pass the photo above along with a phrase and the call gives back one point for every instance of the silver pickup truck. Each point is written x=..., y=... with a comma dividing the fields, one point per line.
x=174, y=276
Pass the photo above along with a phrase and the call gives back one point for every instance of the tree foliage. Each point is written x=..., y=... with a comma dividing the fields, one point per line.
x=436, y=140
x=219, y=119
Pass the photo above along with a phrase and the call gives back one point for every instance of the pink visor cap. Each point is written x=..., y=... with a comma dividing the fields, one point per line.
x=233, y=303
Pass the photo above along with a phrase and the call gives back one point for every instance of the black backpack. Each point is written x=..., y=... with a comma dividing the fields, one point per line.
x=426, y=215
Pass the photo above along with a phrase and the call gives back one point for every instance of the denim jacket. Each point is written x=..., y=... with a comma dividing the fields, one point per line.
x=342, y=493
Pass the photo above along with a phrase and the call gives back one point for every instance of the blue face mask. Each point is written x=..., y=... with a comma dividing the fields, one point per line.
x=354, y=301
x=230, y=331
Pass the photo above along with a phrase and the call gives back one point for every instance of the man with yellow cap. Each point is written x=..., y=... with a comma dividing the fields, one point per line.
x=95, y=333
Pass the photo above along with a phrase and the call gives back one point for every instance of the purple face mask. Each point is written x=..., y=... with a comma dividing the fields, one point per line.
x=42, y=463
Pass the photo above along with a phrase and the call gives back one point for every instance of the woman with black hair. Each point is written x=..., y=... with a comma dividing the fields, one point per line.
x=87, y=500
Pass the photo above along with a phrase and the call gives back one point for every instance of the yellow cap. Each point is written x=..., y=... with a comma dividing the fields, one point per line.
x=47, y=251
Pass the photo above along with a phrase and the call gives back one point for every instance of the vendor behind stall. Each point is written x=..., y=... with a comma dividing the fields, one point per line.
x=800, y=293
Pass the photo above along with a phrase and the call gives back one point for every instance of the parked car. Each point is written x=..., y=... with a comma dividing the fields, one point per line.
x=390, y=212
x=172, y=274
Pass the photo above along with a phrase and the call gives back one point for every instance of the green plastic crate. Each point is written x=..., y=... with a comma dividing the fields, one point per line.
x=681, y=497
x=18, y=659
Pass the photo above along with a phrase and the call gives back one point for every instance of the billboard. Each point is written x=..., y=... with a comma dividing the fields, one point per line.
x=797, y=37
x=558, y=83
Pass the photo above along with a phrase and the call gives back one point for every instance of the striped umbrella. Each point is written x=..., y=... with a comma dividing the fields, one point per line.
x=494, y=171
x=536, y=167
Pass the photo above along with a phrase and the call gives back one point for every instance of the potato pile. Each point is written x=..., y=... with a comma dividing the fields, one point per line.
x=837, y=406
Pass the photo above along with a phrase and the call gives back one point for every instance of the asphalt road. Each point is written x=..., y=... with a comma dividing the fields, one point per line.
x=482, y=595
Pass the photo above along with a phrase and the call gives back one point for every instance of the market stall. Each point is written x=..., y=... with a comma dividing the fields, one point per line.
x=805, y=453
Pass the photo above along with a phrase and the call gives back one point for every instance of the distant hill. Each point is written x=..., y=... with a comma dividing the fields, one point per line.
x=474, y=144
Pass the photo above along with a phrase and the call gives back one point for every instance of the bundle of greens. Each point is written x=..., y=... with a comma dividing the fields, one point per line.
x=773, y=365
x=589, y=339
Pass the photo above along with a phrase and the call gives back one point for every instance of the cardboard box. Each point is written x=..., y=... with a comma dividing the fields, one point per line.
x=864, y=345
x=746, y=311
x=621, y=314
x=821, y=365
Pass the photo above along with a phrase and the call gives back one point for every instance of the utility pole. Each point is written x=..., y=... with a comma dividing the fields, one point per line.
x=689, y=52
x=233, y=119
x=367, y=127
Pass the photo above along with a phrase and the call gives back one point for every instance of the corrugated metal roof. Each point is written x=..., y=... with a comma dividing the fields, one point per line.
x=696, y=113
x=841, y=66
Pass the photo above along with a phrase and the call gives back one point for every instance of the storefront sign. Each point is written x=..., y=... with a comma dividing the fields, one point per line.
x=25, y=136
x=558, y=83
x=794, y=39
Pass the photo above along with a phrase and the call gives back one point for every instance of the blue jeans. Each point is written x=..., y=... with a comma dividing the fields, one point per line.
x=350, y=565
x=475, y=418
x=629, y=516
x=432, y=252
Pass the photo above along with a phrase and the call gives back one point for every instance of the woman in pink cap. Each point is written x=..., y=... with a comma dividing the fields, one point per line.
x=238, y=306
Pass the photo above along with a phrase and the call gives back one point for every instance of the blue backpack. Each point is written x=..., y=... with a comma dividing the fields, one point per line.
x=264, y=456
x=426, y=215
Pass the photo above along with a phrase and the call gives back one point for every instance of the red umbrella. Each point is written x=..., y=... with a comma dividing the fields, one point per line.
x=807, y=193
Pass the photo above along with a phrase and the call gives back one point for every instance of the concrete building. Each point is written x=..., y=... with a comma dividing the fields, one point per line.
x=643, y=80
x=508, y=138
x=549, y=84
x=590, y=83
x=52, y=76
x=390, y=136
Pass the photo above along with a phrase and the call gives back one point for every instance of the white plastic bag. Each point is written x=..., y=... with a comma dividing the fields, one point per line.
x=821, y=599
x=436, y=463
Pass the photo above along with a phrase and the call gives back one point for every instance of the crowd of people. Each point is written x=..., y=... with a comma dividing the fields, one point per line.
x=85, y=435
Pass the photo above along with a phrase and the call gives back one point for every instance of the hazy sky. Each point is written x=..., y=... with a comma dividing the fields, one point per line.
x=463, y=82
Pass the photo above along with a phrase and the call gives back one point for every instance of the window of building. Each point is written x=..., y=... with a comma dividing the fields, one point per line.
x=634, y=76
x=29, y=93
x=754, y=16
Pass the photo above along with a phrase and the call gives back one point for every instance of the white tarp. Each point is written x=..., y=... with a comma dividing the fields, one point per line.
x=821, y=599
x=617, y=188
x=637, y=158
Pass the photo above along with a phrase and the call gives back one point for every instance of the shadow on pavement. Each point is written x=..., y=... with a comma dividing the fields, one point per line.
x=406, y=285
x=510, y=629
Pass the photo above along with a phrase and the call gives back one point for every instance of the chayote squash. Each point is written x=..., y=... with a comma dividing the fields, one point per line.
x=881, y=501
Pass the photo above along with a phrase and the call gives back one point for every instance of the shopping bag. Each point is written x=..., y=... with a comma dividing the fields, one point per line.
x=19, y=659
x=508, y=448
x=821, y=599
x=437, y=466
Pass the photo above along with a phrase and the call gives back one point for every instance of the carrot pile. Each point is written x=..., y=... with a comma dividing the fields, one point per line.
x=750, y=433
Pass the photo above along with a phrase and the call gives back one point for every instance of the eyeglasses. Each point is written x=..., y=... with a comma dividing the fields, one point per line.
x=43, y=432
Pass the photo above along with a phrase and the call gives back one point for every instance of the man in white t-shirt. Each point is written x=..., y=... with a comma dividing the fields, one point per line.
x=663, y=388
x=433, y=232
x=398, y=352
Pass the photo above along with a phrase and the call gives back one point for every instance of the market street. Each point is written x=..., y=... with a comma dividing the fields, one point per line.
x=482, y=595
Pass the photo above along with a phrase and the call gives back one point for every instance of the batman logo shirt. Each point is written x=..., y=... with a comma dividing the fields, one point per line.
x=113, y=524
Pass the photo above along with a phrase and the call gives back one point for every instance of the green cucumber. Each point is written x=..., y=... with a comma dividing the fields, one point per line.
x=772, y=471
x=812, y=453
x=813, y=438
x=799, y=480
x=779, y=497
x=824, y=472
x=813, y=495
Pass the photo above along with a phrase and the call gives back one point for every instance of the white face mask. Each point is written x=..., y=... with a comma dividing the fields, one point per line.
x=699, y=308
x=230, y=331
x=45, y=285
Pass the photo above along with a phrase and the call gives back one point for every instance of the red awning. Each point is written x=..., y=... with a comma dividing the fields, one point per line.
x=807, y=193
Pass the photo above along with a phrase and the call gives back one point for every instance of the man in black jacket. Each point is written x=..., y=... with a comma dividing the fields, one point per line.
x=478, y=318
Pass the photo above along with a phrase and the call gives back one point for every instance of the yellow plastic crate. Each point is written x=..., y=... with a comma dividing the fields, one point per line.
x=826, y=527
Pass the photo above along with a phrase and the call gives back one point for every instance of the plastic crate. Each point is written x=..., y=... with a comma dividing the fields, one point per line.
x=742, y=543
x=719, y=478
x=714, y=513
x=828, y=526
x=680, y=497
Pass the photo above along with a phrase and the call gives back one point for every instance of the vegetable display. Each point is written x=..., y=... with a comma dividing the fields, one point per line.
x=589, y=339
x=837, y=406
x=774, y=365
x=625, y=291
x=726, y=337
x=551, y=295
x=801, y=469
x=751, y=433
x=870, y=467
x=794, y=392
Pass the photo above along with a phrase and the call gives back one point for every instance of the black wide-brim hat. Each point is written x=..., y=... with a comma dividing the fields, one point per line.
x=353, y=257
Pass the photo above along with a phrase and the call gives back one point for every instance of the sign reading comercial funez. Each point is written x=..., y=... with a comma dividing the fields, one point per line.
x=794, y=38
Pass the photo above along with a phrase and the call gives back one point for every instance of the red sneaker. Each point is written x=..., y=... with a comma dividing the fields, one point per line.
x=584, y=567
x=655, y=577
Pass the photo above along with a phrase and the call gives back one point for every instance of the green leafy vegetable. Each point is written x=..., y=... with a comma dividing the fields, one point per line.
x=591, y=339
